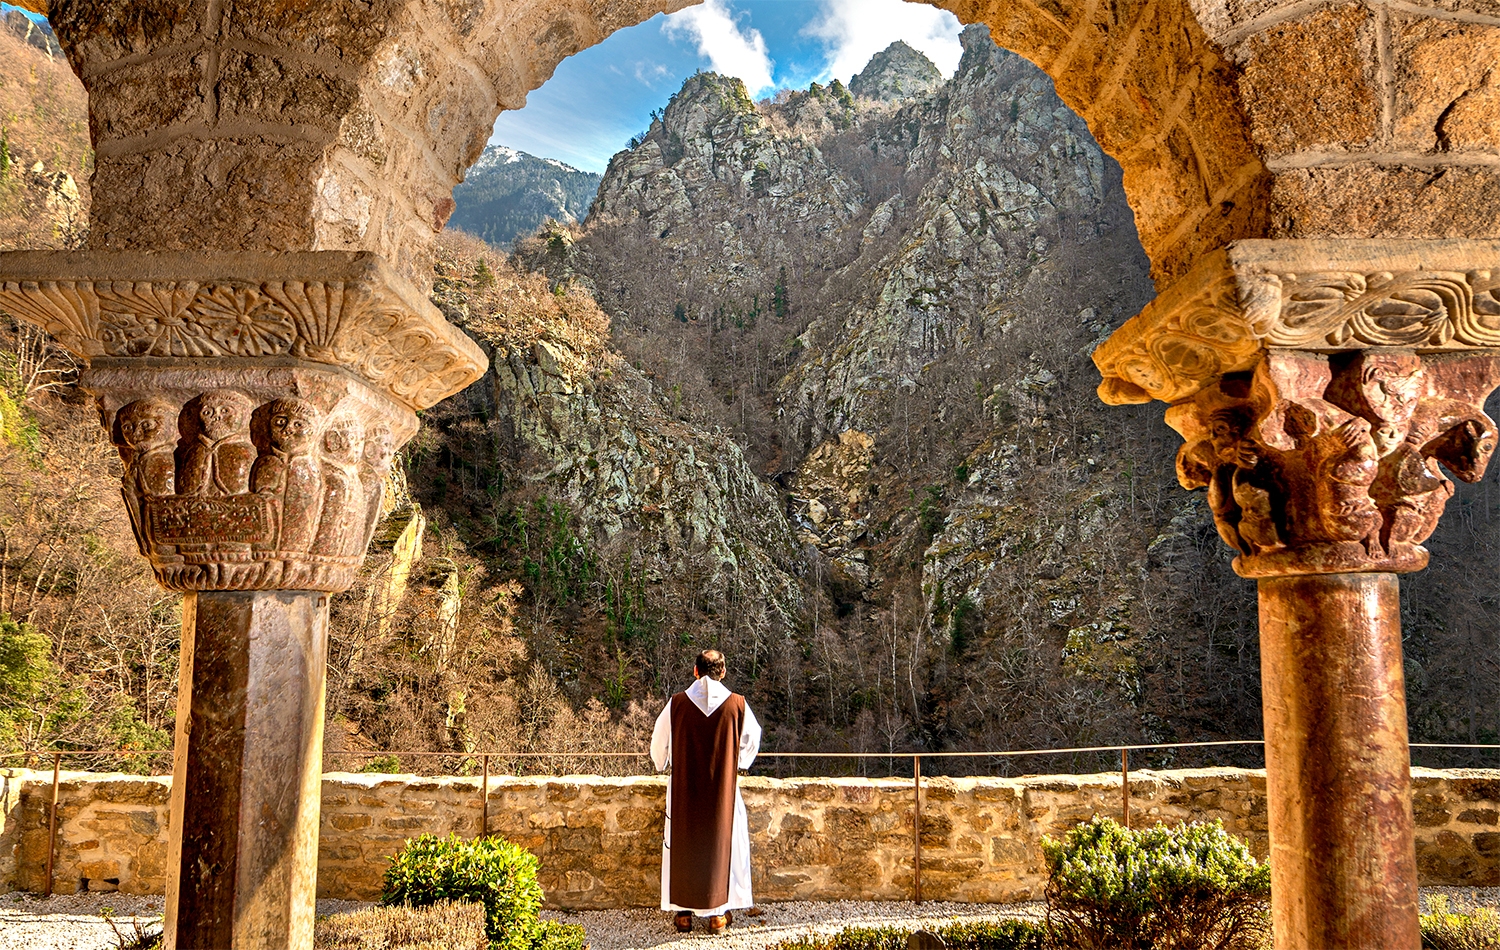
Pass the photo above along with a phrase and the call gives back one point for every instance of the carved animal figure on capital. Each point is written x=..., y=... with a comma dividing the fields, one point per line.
x=219, y=460
x=1330, y=464
x=1229, y=463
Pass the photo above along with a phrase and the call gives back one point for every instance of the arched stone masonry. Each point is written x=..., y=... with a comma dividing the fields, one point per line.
x=1313, y=182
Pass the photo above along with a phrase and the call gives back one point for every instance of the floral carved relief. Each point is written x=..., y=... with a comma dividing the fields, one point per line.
x=340, y=309
x=1318, y=464
x=1323, y=296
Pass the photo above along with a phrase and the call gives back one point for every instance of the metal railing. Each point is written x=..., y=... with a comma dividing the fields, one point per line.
x=1124, y=749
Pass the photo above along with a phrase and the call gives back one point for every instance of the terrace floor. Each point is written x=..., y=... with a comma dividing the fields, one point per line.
x=78, y=922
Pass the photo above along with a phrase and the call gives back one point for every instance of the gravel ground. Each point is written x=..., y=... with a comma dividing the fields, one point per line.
x=78, y=922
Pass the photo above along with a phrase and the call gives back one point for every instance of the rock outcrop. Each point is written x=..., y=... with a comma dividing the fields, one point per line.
x=896, y=72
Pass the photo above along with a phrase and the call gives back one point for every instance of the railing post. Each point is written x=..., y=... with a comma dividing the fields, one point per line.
x=916, y=827
x=484, y=802
x=1125, y=784
x=52, y=824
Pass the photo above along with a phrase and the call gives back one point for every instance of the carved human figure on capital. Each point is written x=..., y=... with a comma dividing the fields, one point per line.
x=290, y=471
x=374, y=466
x=219, y=460
x=148, y=442
x=148, y=434
x=343, y=494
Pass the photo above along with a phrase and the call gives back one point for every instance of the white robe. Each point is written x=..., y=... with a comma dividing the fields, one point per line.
x=708, y=694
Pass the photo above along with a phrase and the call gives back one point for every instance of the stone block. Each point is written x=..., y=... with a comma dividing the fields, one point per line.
x=346, y=32
x=402, y=823
x=348, y=822
x=1365, y=200
x=1471, y=788
x=253, y=194
x=638, y=819
x=857, y=873
x=579, y=839
x=1162, y=58
x=1487, y=845
x=1167, y=188
x=985, y=792
x=1084, y=70
x=95, y=37
x=1449, y=858
x=586, y=817
x=1445, y=95
x=816, y=791
x=150, y=97
x=1022, y=26
x=857, y=794
x=1288, y=112
x=1480, y=816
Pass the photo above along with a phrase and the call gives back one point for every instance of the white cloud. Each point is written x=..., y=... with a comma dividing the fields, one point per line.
x=855, y=30
x=651, y=73
x=730, y=50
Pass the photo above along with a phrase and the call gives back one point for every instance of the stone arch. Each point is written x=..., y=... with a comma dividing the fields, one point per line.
x=335, y=124
x=273, y=126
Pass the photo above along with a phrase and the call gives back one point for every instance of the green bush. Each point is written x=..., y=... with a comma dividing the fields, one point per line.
x=1163, y=888
x=488, y=871
x=554, y=935
x=979, y=935
x=1442, y=929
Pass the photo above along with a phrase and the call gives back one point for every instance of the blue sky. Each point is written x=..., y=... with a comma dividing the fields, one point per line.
x=602, y=96
x=4, y=7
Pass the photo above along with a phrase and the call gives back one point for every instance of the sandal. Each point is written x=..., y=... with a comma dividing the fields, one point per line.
x=683, y=922
x=718, y=923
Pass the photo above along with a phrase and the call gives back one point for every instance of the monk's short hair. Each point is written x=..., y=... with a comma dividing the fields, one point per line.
x=710, y=663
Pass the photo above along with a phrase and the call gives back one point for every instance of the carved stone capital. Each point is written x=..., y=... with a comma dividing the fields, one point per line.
x=247, y=474
x=1325, y=296
x=1333, y=464
x=344, y=310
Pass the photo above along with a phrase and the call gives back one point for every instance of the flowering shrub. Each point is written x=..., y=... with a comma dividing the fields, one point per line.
x=1183, y=887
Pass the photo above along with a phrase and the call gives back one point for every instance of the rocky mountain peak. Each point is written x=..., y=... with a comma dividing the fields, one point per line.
x=896, y=72
x=708, y=96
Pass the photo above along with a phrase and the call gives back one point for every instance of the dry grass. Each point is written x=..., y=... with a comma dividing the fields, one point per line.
x=446, y=926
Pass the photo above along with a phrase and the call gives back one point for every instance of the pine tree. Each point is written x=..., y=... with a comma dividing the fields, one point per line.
x=780, y=303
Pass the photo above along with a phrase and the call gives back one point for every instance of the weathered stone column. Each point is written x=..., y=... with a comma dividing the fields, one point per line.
x=1322, y=388
x=256, y=400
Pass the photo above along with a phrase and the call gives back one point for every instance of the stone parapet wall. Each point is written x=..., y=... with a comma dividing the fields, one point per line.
x=599, y=839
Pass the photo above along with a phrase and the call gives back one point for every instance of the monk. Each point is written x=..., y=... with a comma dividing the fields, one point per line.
x=705, y=735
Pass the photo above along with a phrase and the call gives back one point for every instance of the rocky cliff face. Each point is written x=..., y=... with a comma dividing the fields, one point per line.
x=45, y=158
x=888, y=293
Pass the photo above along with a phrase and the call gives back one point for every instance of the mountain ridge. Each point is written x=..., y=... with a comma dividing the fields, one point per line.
x=509, y=193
